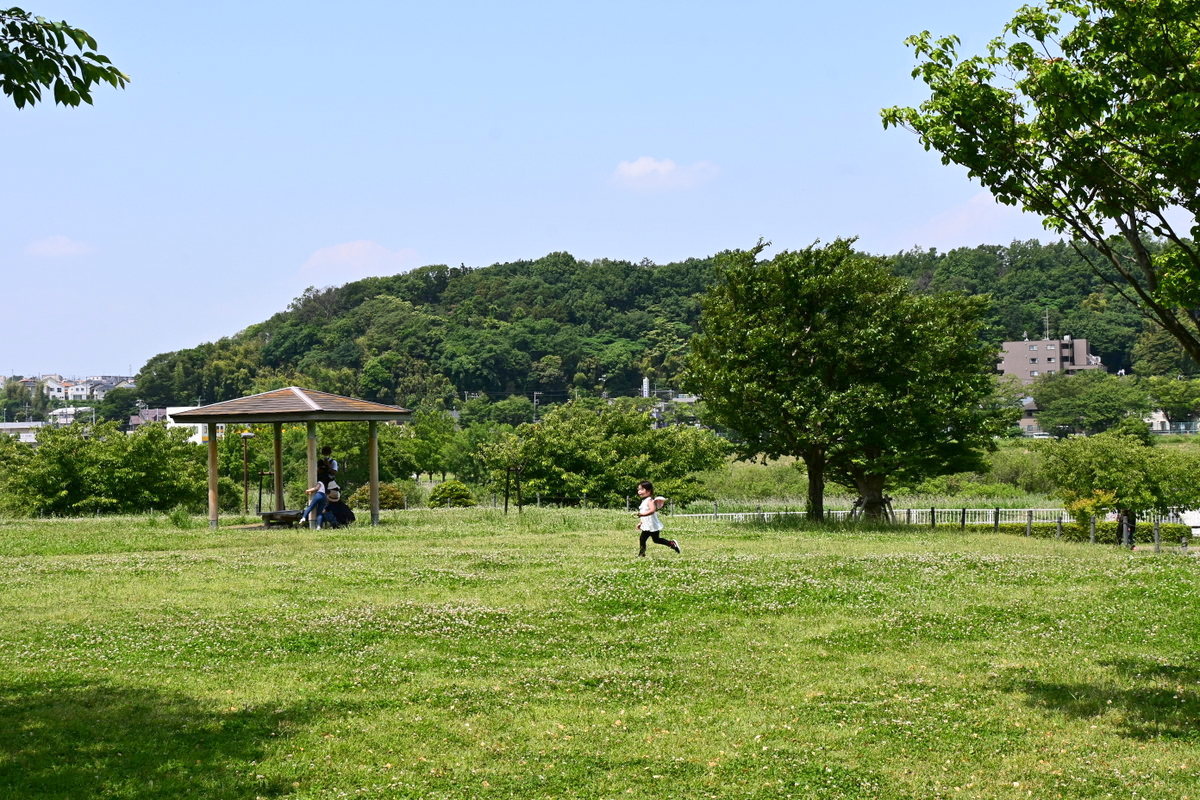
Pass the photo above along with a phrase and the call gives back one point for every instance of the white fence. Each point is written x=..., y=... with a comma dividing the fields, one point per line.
x=931, y=517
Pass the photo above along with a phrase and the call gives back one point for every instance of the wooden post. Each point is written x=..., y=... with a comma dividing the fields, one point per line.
x=507, y=483
x=1157, y=540
x=996, y=521
x=1058, y=528
x=908, y=516
x=213, y=513
x=312, y=465
x=1092, y=529
x=963, y=523
x=278, y=465
x=373, y=467
x=1029, y=523
x=933, y=517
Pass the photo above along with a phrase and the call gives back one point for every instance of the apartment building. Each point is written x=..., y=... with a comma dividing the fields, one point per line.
x=1028, y=359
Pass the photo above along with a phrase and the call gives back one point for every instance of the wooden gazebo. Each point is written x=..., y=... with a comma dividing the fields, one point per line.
x=292, y=404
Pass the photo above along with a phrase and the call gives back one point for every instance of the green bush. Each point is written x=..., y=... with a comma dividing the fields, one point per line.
x=392, y=496
x=181, y=518
x=451, y=494
x=1106, y=532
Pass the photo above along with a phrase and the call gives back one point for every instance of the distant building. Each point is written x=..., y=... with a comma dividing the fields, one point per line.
x=199, y=431
x=1027, y=360
x=69, y=414
x=24, y=431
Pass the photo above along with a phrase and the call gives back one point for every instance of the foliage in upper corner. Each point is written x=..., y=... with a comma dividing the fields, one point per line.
x=1084, y=112
x=36, y=54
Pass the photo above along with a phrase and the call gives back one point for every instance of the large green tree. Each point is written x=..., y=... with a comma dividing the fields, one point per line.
x=823, y=354
x=37, y=54
x=1085, y=112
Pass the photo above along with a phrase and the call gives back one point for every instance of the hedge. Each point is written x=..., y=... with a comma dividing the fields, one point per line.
x=1106, y=532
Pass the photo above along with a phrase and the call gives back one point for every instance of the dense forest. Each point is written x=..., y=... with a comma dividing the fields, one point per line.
x=559, y=325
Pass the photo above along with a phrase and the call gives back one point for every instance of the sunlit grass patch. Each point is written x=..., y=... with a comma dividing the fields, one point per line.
x=468, y=654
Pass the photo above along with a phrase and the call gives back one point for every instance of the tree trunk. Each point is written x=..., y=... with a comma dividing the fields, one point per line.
x=814, y=462
x=870, y=489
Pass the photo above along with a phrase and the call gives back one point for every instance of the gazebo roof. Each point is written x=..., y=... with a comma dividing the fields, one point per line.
x=292, y=404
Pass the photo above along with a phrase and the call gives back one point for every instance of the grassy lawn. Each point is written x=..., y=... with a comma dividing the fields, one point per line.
x=464, y=654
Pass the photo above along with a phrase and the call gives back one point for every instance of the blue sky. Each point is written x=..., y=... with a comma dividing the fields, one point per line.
x=263, y=147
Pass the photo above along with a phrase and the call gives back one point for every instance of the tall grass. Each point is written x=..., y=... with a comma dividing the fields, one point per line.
x=463, y=654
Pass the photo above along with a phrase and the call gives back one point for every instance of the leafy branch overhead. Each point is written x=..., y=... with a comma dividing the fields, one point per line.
x=37, y=54
x=1085, y=112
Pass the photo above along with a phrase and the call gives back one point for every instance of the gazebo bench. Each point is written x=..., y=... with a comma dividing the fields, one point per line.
x=285, y=517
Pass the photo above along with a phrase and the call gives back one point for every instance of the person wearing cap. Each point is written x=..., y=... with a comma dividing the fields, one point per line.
x=337, y=513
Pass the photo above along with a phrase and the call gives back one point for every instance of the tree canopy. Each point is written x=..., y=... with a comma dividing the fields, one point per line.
x=823, y=354
x=1090, y=401
x=1108, y=472
x=37, y=54
x=1085, y=112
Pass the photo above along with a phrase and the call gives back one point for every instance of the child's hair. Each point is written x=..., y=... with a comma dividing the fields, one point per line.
x=647, y=485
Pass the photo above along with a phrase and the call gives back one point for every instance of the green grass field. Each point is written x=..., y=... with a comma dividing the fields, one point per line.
x=467, y=655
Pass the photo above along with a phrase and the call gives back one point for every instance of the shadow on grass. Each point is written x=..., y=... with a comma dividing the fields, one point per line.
x=1158, y=701
x=102, y=740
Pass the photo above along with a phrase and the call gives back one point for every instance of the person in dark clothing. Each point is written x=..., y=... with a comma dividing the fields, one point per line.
x=337, y=513
x=327, y=466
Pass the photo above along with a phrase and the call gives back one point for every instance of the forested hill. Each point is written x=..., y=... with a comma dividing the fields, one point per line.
x=558, y=322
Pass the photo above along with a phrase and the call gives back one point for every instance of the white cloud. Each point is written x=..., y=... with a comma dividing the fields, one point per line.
x=57, y=247
x=350, y=261
x=648, y=173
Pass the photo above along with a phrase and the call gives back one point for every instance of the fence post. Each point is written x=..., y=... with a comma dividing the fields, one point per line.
x=1029, y=523
x=627, y=506
x=933, y=517
x=1092, y=526
x=963, y=523
x=759, y=512
x=1183, y=543
x=1157, y=540
x=996, y=521
x=714, y=509
x=908, y=516
x=1058, y=528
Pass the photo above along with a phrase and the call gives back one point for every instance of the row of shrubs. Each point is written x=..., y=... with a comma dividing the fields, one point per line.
x=408, y=494
x=1106, y=532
